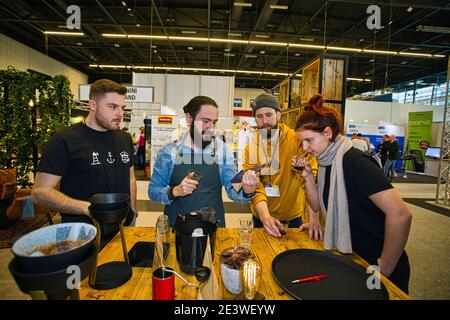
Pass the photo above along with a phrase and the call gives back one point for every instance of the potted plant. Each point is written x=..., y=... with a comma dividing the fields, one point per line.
x=231, y=260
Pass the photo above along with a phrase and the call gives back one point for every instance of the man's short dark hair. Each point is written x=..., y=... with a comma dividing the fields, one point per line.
x=194, y=105
x=103, y=86
x=359, y=135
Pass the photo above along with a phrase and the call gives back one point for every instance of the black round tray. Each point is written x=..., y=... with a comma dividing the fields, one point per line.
x=346, y=280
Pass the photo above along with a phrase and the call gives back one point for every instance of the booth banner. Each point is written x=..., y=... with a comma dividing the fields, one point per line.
x=164, y=131
x=375, y=134
x=419, y=132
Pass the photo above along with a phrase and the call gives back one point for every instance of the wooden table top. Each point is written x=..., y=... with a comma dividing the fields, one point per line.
x=264, y=246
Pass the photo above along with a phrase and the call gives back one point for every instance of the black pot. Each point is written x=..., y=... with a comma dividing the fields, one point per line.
x=190, y=250
x=110, y=216
x=54, y=284
x=109, y=201
x=46, y=238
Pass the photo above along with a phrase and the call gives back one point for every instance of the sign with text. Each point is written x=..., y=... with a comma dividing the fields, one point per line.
x=134, y=94
x=164, y=131
x=420, y=134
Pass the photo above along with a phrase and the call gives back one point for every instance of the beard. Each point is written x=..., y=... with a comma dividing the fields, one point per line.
x=107, y=124
x=201, y=139
x=266, y=131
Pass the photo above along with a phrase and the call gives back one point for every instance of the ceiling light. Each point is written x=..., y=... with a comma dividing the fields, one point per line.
x=262, y=52
x=343, y=49
x=170, y=20
x=315, y=29
x=116, y=45
x=351, y=120
x=154, y=47
x=251, y=56
x=415, y=48
x=190, y=48
x=264, y=36
x=155, y=51
x=138, y=25
x=79, y=43
x=252, y=42
x=232, y=34
x=228, y=54
x=227, y=49
x=412, y=54
x=297, y=54
x=371, y=60
x=403, y=62
x=410, y=9
x=361, y=40
x=307, y=39
x=131, y=15
x=64, y=33
x=300, y=45
x=129, y=9
x=379, y=51
x=366, y=121
x=188, y=31
x=124, y=3
x=280, y=7
x=242, y=4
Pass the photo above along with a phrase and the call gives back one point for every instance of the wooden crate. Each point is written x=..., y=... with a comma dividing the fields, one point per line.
x=310, y=80
x=333, y=78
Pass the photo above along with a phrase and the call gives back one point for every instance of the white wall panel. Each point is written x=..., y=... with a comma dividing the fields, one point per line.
x=180, y=89
x=21, y=57
x=221, y=89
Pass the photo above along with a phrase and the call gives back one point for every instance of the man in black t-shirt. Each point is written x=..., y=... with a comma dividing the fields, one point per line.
x=88, y=158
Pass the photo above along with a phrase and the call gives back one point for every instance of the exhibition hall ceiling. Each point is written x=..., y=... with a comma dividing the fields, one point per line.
x=260, y=42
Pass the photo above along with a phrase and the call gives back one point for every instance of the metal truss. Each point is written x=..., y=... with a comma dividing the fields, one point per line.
x=443, y=183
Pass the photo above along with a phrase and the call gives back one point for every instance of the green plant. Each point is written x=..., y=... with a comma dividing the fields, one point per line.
x=24, y=98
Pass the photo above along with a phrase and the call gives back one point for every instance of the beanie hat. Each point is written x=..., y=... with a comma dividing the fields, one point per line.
x=265, y=101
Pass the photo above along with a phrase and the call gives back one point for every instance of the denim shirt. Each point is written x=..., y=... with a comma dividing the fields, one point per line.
x=166, y=160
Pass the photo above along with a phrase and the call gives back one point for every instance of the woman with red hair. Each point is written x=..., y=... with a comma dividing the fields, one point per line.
x=362, y=210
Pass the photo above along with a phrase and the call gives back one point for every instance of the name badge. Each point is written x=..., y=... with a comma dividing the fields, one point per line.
x=272, y=191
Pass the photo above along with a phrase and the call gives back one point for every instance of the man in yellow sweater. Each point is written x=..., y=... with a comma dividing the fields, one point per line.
x=281, y=193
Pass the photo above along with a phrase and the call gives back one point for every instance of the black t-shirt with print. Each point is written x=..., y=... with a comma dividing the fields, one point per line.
x=363, y=177
x=89, y=162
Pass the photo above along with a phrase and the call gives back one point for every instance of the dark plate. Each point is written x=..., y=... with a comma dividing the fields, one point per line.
x=346, y=279
x=141, y=255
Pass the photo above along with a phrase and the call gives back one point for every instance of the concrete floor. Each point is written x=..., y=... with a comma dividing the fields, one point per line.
x=428, y=246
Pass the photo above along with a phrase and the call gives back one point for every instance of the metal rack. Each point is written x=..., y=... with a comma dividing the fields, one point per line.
x=443, y=183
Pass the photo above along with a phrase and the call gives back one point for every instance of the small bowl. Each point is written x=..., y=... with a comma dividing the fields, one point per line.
x=54, y=247
x=109, y=201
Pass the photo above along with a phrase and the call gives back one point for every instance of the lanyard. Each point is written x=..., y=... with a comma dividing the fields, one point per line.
x=273, y=153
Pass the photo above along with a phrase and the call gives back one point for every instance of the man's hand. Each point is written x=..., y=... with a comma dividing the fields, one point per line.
x=271, y=225
x=315, y=230
x=250, y=181
x=186, y=187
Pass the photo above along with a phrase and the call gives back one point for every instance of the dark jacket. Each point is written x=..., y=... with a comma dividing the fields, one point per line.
x=393, y=151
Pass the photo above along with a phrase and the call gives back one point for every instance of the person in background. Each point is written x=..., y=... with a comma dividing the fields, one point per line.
x=383, y=149
x=358, y=143
x=363, y=212
x=140, y=154
x=392, y=156
x=189, y=175
x=281, y=193
x=90, y=157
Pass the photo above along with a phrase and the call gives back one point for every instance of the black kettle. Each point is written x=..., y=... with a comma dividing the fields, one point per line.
x=190, y=246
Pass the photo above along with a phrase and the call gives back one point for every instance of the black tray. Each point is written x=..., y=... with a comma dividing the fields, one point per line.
x=346, y=279
x=141, y=254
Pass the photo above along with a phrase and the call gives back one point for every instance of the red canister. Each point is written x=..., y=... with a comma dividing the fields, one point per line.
x=163, y=284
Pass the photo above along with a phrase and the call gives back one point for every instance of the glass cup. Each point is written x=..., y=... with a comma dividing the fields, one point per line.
x=163, y=228
x=298, y=165
x=283, y=228
x=245, y=231
x=196, y=176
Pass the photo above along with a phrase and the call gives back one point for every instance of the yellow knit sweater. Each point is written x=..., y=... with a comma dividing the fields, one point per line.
x=292, y=201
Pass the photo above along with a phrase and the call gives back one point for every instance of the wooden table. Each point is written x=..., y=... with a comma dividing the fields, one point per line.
x=264, y=246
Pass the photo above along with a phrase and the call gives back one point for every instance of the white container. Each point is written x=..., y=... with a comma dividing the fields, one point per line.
x=231, y=279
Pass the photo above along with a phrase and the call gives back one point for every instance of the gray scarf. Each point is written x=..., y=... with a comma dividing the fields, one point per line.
x=337, y=225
